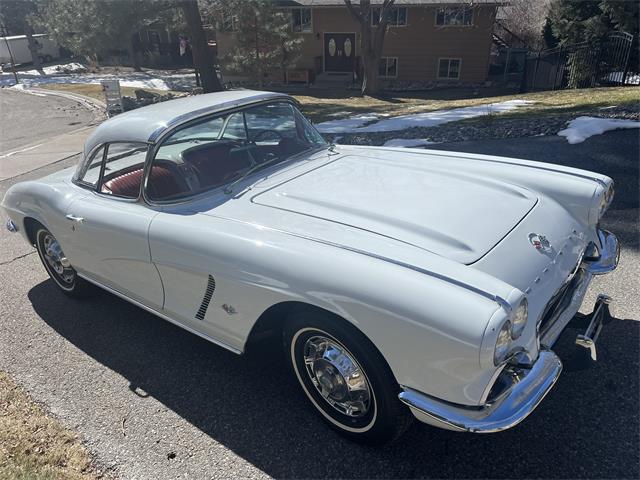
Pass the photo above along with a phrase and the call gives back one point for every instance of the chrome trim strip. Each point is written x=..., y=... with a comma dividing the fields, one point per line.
x=509, y=409
x=158, y=314
x=503, y=303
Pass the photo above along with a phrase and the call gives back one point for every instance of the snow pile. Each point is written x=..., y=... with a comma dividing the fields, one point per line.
x=363, y=123
x=407, y=142
x=584, y=127
x=73, y=73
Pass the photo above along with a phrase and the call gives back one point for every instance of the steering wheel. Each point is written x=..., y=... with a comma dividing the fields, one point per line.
x=267, y=130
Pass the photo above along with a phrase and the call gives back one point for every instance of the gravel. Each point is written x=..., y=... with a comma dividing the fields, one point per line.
x=486, y=127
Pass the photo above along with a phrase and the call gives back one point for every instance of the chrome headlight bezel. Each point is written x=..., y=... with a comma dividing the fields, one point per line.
x=519, y=319
x=503, y=343
x=605, y=200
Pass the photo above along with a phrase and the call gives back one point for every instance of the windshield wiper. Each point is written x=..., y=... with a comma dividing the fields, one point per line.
x=229, y=188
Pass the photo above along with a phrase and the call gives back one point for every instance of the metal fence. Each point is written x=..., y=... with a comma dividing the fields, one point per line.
x=583, y=65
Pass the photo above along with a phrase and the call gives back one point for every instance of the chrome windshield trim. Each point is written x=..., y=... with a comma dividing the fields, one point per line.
x=506, y=411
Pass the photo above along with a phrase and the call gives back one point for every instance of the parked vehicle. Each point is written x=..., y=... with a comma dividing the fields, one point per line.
x=18, y=47
x=404, y=283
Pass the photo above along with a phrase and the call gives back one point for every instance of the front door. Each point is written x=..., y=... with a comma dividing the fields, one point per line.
x=339, y=52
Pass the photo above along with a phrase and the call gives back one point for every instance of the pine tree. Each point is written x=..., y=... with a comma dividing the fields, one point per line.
x=264, y=43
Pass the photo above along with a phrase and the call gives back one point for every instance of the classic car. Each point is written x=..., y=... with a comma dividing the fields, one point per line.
x=404, y=283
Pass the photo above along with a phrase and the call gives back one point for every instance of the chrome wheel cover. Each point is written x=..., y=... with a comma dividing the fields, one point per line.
x=54, y=256
x=337, y=376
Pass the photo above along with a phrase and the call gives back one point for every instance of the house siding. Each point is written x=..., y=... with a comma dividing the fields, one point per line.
x=418, y=46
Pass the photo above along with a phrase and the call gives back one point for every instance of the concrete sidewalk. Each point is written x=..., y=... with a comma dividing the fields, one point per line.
x=54, y=149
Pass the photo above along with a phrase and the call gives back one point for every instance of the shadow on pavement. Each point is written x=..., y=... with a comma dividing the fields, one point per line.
x=586, y=427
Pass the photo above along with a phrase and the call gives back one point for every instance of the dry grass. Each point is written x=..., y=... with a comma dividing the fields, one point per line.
x=322, y=105
x=95, y=91
x=33, y=445
x=330, y=106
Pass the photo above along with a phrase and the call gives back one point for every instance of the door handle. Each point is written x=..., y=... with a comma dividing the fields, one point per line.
x=74, y=218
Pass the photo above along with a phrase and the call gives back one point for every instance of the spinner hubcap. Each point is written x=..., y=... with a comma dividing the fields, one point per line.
x=337, y=376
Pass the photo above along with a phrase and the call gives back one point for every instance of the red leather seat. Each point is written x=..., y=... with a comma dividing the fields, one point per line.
x=161, y=184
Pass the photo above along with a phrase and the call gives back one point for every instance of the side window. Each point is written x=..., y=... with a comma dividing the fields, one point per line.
x=123, y=169
x=89, y=173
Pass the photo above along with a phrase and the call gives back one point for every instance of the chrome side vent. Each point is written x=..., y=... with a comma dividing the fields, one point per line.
x=208, y=293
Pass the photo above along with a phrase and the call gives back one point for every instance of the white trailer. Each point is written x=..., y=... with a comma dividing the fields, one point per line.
x=19, y=47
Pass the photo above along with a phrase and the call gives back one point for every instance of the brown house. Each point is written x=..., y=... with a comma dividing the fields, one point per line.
x=428, y=41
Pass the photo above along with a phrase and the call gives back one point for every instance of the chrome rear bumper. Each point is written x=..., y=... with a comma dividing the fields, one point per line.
x=524, y=386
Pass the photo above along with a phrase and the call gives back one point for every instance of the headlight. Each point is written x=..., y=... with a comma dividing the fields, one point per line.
x=502, y=344
x=605, y=200
x=519, y=319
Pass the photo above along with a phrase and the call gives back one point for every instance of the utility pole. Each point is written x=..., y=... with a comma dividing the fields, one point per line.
x=13, y=63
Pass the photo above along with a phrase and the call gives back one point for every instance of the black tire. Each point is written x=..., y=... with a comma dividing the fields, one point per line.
x=386, y=418
x=66, y=280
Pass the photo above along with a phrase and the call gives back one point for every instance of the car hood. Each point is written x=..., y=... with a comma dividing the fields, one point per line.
x=457, y=215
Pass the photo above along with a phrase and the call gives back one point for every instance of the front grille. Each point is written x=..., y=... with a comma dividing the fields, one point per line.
x=560, y=301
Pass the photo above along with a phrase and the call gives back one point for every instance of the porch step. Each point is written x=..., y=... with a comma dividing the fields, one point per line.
x=340, y=77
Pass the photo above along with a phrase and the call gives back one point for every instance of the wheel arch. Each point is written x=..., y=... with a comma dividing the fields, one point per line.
x=31, y=227
x=271, y=323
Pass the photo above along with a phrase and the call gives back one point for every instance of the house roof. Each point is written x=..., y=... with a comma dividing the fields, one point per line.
x=333, y=3
x=146, y=124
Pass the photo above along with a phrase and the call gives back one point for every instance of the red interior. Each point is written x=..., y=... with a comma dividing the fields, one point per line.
x=162, y=183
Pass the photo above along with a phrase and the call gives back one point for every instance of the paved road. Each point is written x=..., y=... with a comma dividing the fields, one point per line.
x=29, y=119
x=156, y=402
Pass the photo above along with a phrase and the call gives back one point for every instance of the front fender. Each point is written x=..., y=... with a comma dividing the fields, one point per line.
x=427, y=328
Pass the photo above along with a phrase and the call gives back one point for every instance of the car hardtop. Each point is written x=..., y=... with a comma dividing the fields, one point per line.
x=146, y=124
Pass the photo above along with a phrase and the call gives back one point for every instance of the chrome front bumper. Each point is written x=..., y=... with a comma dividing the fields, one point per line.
x=522, y=387
x=503, y=412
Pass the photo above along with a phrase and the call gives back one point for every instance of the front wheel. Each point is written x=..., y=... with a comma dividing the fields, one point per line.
x=345, y=378
x=58, y=266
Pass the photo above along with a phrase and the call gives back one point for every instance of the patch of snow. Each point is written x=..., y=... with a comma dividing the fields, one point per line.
x=21, y=87
x=345, y=125
x=363, y=123
x=584, y=127
x=407, y=142
x=55, y=75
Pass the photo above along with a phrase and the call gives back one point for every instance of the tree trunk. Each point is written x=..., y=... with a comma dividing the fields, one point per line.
x=134, y=52
x=202, y=55
x=371, y=41
x=33, y=46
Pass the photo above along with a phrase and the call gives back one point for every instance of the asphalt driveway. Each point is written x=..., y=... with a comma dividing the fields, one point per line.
x=153, y=401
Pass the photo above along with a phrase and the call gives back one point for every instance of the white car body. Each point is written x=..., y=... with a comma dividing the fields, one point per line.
x=427, y=253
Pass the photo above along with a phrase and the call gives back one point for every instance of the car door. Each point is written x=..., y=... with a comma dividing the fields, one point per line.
x=107, y=239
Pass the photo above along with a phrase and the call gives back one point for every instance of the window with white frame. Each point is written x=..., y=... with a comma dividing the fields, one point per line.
x=388, y=67
x=449, y=68
x=454, y=16
x=301, y=20
x=397, y=16
x=229, y=23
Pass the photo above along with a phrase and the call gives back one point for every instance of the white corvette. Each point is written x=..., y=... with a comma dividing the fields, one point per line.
x=404, y=283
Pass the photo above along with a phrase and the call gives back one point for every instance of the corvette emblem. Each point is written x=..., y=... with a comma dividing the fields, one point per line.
x=539, y=242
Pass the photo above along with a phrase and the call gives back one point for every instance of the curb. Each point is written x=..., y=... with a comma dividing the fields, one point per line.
x=97, y=107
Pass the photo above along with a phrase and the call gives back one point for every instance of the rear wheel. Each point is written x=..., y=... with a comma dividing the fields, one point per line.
x=58, y=266
x=345, y=378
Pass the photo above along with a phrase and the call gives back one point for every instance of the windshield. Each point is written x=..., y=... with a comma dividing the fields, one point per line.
x=218, y=151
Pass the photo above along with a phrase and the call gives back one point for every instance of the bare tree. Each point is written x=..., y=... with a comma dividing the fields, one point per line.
x=371, y=40
x=526, y=19
x=202, y=55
